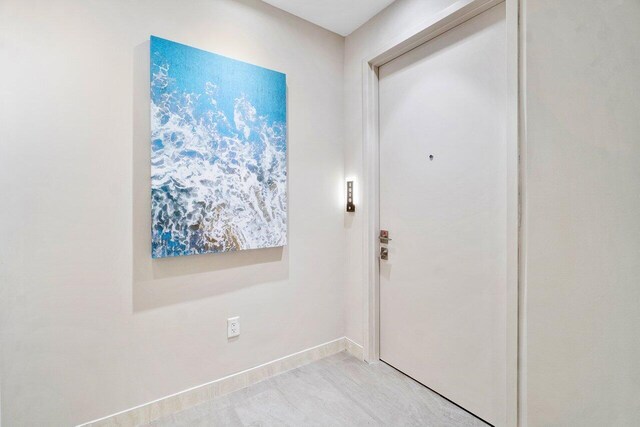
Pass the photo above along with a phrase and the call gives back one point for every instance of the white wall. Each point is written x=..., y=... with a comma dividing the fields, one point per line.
x=582, y=212
x=395, y=20
x=89, y=324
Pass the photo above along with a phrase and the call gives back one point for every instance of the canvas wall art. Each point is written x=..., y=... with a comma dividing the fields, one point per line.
x=218, y=153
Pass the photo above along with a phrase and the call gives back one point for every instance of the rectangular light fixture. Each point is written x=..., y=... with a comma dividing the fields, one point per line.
x=350, y=206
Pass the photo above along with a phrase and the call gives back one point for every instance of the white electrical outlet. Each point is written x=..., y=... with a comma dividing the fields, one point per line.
x=233, y=327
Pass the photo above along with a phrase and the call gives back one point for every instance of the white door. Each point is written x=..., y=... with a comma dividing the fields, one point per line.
x=443, y=288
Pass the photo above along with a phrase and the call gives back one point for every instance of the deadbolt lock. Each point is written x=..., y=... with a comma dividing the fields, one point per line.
x=384, y=253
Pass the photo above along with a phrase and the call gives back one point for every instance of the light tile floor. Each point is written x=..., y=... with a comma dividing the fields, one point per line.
x=336, y=391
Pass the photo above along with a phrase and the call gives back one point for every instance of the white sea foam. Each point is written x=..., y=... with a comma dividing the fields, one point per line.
x=216, y=186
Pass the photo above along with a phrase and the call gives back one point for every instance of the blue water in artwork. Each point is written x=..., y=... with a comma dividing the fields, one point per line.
x=218, y=153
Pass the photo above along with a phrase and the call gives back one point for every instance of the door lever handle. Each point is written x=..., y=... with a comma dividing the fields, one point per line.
x=384, y=236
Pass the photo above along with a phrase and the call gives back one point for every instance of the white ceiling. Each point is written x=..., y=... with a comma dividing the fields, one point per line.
x=339, y=16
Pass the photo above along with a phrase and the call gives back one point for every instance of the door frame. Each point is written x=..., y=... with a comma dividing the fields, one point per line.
x=456, y=14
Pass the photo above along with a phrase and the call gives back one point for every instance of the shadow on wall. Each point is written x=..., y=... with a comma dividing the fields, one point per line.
x=167, y=281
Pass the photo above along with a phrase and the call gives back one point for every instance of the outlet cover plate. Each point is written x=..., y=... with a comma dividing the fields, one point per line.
x=233, y=327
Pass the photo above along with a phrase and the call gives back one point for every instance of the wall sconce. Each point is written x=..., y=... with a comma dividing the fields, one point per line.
x=350, y=206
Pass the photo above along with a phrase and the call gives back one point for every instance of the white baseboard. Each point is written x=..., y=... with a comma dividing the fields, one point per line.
x=177, y=402
x=354, y=349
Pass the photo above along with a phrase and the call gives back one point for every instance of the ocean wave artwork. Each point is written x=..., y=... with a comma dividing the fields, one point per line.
x=218, y=153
